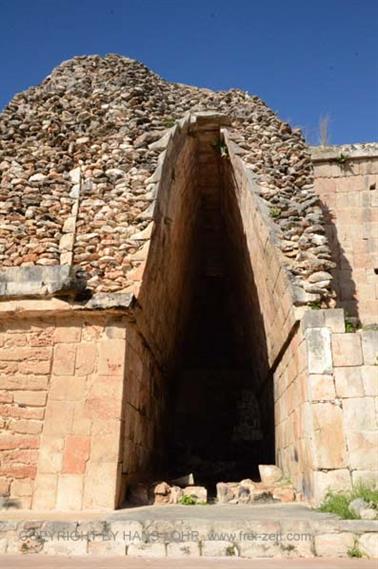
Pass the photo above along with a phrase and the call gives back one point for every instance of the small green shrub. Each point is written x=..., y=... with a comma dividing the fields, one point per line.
x=169, y=122
x=349, y=327
x=221, y=148
x=338, y=502
x=355, y=551
x=188, y=501
x=315, y=305
x=275, y=212
x=352, y=324
x=342, y=158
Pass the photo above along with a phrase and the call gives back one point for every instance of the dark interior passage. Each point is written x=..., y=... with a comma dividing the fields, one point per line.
x=220, y=406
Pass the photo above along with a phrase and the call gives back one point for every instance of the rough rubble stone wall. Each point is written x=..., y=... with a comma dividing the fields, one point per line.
x=76, y=158
x=60, y=436
x=348, y=189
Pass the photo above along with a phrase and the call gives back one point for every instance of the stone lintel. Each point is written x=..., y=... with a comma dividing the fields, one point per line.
x=352, y=151
x=38, y=281
x=112, y=303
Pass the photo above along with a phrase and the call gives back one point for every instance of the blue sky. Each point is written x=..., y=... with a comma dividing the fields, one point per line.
x=306, y=59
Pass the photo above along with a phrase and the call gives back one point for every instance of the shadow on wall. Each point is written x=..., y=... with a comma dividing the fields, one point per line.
x=343, y=282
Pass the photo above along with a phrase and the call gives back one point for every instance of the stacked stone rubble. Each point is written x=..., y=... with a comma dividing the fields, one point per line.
x=76, y=158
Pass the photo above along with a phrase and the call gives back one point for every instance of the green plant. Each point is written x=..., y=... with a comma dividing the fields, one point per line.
x=338, y=502
x=275, y=212
x=352, y=324
x=315, y=305
x=285, y=481
x=355, y=551
x=349, y=326
x=221, y=148
x=342, y=158
x=169, y=122
x=188, y=501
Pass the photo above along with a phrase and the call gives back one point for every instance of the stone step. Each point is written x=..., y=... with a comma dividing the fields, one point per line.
x=279, y=531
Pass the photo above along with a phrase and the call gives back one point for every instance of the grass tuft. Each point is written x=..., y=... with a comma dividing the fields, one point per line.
x=338, y=502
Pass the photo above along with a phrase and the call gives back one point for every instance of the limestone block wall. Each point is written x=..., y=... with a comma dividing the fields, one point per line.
x=166, y=272
x=326, y=405
x=143, y=412
x=292, y=414
x=61, y=386
x=346, y=179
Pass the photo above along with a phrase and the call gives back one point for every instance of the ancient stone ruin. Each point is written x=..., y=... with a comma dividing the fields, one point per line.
x=185, y=287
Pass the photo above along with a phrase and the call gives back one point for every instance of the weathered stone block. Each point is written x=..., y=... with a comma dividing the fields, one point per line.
x=370, y=346
x=329, y=436
x=348, y=382
x=335, y=320
x=105, y=449
x=359, y=413
x=32, y=398
x=333, y=544
x=100, y=486
x=270, y=473
x=76, y=454
x=313, y=319
x=370, y=380
x=219, y=548
x=197, y=492
x=67, y=388
x=26, y=426
x=45, y=492
x=66, y=547
x=319, y=350
x=41, y=281
x=321, y=387
x=22, y=488
x=335, y=480
x=183, y=549
x=58, y=419
x=65, y=334
x=107, y=547
x=111, y=357
x=363, y=447
x=152, y=550
x=346, y=350
x=86, y=359
x=367, y=477
x=64, y=359
x=368, y=543
x=70, y=492
x=50, y=458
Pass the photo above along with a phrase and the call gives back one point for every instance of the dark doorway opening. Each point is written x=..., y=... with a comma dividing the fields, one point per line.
x=220, y=410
